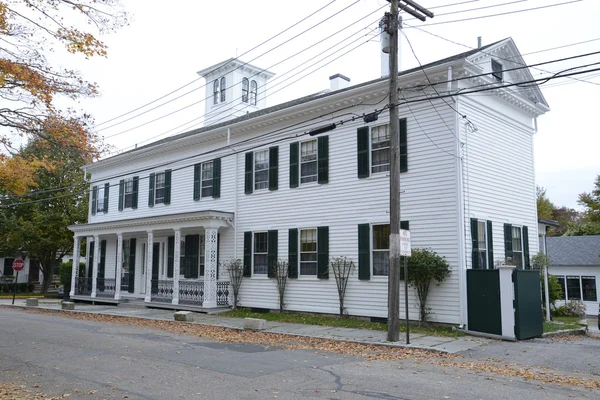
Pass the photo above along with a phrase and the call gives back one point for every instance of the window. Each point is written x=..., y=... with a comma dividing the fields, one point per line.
x=159, y=190
x=308, y=161
x=128, y=193
x=517, y=247
x=482, y=244
x=308, y=252
x=588, y=284
x=380, y=149
x=381, y=250
x=8, y=270
x=245, y=88
x=182, y=267
x=561, y=282
x=573, y=288
x=261, y=169
x=497, y=70
x=207, y=179
x=100, y=200
x=253, y=93
x=223, y=89
x=260, y=253
x=216, y=91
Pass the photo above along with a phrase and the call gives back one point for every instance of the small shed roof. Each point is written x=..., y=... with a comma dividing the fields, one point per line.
x=574, y=250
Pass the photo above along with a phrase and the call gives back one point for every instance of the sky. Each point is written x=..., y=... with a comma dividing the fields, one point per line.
x=166, y=43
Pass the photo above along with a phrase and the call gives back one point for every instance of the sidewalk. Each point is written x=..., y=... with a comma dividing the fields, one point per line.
x=417, y=341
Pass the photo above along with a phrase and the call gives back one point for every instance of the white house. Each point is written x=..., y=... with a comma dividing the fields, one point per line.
x=257, y=187
x=575, y=261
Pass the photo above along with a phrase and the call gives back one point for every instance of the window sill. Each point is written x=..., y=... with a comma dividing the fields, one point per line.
x=307, y=278
x=260, y=277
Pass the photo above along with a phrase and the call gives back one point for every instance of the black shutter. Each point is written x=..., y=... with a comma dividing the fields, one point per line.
x=151, y=190
x=131, y=260
x=121, y=193
x=271, y=253
x=170, y=255
x=201, y=266
x=403, y=145
x=91, y=258
x=404, y=225
x=294, y=164
x=323, y=252
x=323, y=159
x=527, y=263
x=474, y=245
x=362, y=145
x=167, y=199
x=508, y=253
x=136, y=187
x=192, y=246
x=293, y=253
x=106, y=188
x=216, y=183
x=249, y=182
x=364, y=252
x=490, y=245
x=94, y=199
x=197, y=172
x=247, y=254
x=102, y=263
x=273, y=167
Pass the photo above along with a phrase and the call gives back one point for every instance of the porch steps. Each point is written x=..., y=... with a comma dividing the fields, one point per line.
x=132, y=303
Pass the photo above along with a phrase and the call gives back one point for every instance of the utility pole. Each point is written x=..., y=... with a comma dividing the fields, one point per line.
x=392, y=29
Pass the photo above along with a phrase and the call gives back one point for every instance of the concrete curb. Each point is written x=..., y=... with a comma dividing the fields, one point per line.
x=576, y=331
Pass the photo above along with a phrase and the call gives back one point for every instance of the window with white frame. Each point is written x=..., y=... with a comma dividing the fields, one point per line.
x=308, y=161
x=482, y=244
x=380, y=148
x=261, y=170
x=561, y=282
x=588, y=286
x=216, y=91
x=261, y=248
x=207, y=179
x=573, y=288
x=517, y=247
x=100, y=200
x=308, y=252
x=245, y=89
x=497, y=70
x=223, y=89
x=159, y=188
x=253, y=93
x=381, y=249
x=128, y=193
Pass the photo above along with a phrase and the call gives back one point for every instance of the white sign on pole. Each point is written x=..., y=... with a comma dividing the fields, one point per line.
x=405, y=243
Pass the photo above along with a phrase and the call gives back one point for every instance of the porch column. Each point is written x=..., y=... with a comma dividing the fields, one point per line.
x=75, y=269
x=95, y=265
x=119, y=266
x=176, y=259
x=149, y=267
x=210, y=268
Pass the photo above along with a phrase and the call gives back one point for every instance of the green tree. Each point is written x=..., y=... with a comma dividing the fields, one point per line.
x=424, y=267
x=591, y=203
x=539, y=262
x=565, y=217
x=37, y=222
x=545, y=207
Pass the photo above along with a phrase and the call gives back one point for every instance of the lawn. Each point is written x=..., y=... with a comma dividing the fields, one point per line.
x=28, y=295
x=567, y=323
x=347, y=322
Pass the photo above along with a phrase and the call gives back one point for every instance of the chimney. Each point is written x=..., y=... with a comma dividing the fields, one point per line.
x=478, y=42
x=338, y=81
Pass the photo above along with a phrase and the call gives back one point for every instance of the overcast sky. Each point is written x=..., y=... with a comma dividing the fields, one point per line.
x=168, y=42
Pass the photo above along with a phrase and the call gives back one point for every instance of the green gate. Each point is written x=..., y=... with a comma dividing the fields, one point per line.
x=529, y=322
x=483, y=301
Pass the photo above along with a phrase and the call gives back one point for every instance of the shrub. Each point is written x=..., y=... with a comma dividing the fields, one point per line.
x=574, y=308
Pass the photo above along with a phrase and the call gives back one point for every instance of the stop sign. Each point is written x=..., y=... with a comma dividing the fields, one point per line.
x=18, y=264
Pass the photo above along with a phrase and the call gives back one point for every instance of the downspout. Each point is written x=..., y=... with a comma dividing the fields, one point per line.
x=462, y=265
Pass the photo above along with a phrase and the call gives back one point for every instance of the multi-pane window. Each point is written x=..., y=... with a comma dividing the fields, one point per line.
x=182, y=267
x=380, y=148
x=223, y=89
x=261, y=170
x=561, y=282
x=308, y=252
x=253, y=93
x=207, y=179
x=497, y=70
x=128, y=193
x=100, y=200
x=381, y=250
x=517, y=247
x=588, y=284
x=482, y=244
x=202, y=253
x=260, y=253
x=573, y=288
x=245, y=89
x=159, y=189
x=308, y=161
x=216, y=91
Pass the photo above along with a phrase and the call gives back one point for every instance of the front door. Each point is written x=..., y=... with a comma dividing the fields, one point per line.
x=155, y=266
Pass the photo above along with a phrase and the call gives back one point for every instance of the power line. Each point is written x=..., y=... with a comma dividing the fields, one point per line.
x=473, y=9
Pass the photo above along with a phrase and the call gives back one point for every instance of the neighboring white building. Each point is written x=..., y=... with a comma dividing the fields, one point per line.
x=258, y=188
x=575, y=261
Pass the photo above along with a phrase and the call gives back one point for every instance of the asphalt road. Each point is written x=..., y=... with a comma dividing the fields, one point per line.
x=95, y=360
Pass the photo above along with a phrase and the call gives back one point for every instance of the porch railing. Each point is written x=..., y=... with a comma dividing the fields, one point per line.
x=223, y=293
x=161, y=291
x=83, y=286
x=105, y=287
x=191, y=292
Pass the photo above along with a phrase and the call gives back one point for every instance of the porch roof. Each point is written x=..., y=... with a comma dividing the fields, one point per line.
x=214, y=218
